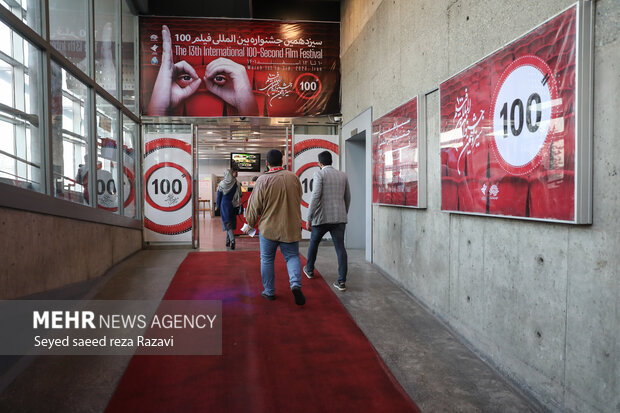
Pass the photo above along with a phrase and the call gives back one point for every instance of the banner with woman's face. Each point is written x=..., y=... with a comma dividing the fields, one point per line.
x=223, y=67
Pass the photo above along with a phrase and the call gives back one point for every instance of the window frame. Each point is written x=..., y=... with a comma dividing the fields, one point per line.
x=45, y=201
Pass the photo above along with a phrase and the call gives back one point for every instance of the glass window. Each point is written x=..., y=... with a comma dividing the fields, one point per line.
x=70, y=138
x=69, y=30
x=130, y=142
x=106, y=34
x=107, y=155
x=128, y=61
x=29, y=11
x=20, y=103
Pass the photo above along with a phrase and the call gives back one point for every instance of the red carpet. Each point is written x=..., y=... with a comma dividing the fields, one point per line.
x=277, y=357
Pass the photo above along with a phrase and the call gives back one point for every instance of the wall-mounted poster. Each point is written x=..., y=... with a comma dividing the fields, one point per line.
x=508, y=128
x=306, y=149
x=396, y=157
x=223, y=67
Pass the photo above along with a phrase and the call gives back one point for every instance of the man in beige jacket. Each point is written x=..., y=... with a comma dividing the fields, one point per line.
x=276, y=199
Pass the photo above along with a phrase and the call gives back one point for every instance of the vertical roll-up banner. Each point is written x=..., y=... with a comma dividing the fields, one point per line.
x=168, y=187
x=306, y=149
x=509, y=128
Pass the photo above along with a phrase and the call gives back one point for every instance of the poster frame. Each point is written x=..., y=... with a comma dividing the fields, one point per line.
x=584, y=69
x=421, y=128
x=149, y=239
x=138, y=65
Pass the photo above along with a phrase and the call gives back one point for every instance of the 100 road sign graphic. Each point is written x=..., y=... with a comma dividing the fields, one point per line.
x=168, y=186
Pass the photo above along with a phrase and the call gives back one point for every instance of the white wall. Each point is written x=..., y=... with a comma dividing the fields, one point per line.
x=538, y=300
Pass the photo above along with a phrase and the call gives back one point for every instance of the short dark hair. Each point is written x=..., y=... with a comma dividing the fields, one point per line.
x=274, y=157
x=234, y=166
x=325, y=158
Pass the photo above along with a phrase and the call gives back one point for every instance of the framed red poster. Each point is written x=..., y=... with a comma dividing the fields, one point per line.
x=396, y=157
x=511, y=143
x=223, y=67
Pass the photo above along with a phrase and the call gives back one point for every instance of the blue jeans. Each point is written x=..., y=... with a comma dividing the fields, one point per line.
x=337, y=233
x=290, y=250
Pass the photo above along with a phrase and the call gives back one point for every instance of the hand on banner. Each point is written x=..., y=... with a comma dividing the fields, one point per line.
x=229, y=81
x=167, y=93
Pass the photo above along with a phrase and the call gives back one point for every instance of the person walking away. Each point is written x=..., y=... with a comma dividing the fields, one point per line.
x=327, y=212
x=228, y=200
x=276, y=199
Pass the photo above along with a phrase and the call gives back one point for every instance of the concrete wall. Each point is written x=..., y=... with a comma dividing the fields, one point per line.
x=538, y=300
x=43, y=252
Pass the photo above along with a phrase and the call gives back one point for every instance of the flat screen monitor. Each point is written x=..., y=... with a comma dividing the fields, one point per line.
x=249, y=162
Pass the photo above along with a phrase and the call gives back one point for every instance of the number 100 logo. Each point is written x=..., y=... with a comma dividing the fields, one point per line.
x=167, y=186
x=524, y=106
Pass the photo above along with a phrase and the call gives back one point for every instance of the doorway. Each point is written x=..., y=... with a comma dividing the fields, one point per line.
x=216, y=144
x=358, y=165
x=355, y=152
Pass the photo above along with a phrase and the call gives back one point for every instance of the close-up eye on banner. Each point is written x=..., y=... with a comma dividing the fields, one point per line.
x=215, y=67
x=510, y=141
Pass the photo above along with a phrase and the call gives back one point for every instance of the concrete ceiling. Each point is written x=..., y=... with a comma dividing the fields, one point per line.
x=316, y=10
x=218, y=141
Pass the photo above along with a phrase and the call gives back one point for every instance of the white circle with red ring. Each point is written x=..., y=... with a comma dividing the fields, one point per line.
x=308, y=86
x=106, y=190
x=129, y=193
x=524, y=107
x=167, y=186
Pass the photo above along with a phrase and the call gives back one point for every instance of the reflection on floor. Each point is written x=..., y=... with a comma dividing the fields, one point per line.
x=212, y=238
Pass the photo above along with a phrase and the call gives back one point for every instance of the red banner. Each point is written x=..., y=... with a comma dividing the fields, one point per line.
x=222, y=67
x=508, y=128
x=395, y=160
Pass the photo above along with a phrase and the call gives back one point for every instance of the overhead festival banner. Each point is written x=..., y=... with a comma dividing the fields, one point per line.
x=508, y=141
x=395, y=157
x=223, y=67
x=167, y=187
x=306, y=150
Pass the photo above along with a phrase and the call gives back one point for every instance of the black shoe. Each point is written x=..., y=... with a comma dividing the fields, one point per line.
x=340, y=286
x=232, y=245
x=299, y=296
x=309, y=274
x=228, y=243
x=267, y=296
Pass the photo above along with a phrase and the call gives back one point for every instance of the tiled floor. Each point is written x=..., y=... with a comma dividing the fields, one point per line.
x=212, y=238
